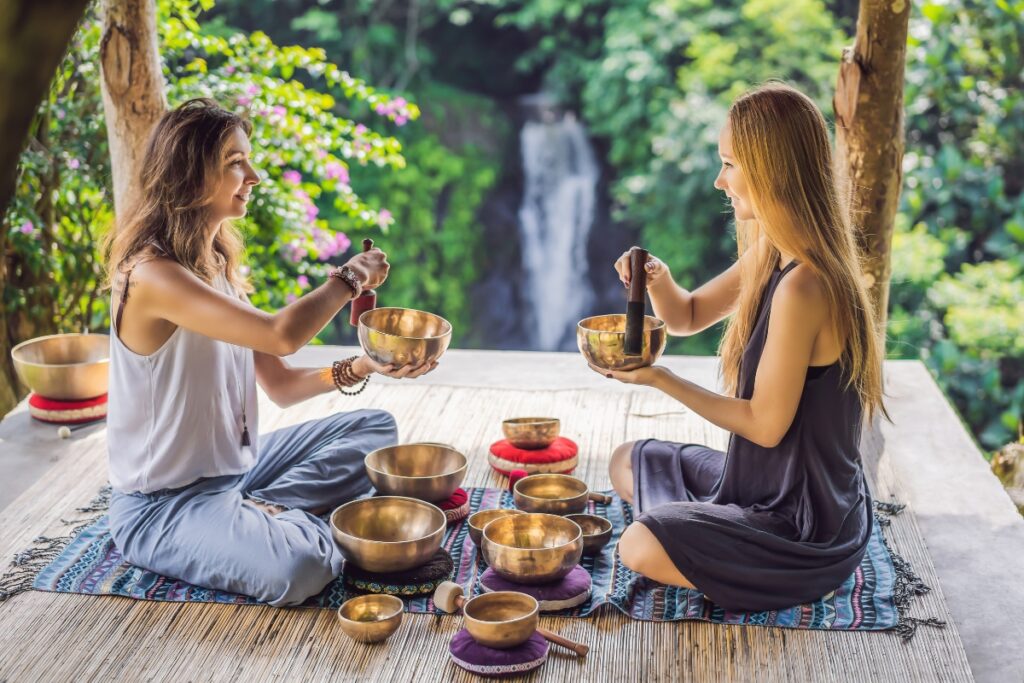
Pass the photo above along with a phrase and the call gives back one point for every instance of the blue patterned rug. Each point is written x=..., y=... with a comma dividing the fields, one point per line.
x=91, y=564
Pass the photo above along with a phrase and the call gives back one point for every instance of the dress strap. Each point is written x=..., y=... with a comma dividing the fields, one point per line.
x=124, y=298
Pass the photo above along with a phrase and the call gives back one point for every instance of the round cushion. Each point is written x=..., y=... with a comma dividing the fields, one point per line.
x=558, y=458
x=422, y=580
x=489, y=661
x=456, y=508
x=568, y=592
x=67, y=412
x=457, y=514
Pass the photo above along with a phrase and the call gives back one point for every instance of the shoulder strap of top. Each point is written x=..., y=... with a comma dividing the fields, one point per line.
x=124, y=298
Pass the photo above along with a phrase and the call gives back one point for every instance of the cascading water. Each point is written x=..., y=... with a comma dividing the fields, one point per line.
x=555, y=219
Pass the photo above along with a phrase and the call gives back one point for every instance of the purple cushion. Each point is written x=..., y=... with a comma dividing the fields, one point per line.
x=570, y=591
x=489, y=661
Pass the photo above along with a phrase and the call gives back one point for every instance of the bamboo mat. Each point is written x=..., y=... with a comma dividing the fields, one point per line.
x=46, y=636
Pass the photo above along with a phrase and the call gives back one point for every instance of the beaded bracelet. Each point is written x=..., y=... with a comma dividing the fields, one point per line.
x=343, y=377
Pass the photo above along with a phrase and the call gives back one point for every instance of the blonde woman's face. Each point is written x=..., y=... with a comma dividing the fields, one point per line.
x=730, y=178
x=237, y=178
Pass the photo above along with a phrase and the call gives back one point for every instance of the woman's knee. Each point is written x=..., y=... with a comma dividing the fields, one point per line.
x=620, y=470
x=634, y=547
x=299, y=575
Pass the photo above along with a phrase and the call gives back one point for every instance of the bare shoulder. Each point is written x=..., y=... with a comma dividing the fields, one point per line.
x=158, y=274
x=801, y=290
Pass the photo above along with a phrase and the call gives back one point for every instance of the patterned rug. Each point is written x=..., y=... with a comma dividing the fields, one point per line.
x=91, y=564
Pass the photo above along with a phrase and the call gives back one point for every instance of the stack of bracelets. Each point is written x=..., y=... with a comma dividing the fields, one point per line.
x=341, y=374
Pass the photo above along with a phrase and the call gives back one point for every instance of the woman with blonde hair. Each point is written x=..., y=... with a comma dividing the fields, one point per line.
x=784, y=515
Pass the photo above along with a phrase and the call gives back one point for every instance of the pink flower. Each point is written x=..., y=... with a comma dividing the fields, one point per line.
x=399, y=102
x=381, y=109
x=27, y=228
x=73, y=163
x=320, y=154
x=360, y=129
x=337, y=172
x=280, y=111
x=401, y=120
x=253, y=89
x=229, y=69
x=342, y=242
x=244, y=101
x=384, y=218
x=293, y=177
x=311, y=212
x=60, y=114
x=291, y=298
x=303, y=281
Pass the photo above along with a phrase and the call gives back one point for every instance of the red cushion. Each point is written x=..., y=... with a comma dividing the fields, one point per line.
x=457, y=500
x=559, y=457
x=67, y=412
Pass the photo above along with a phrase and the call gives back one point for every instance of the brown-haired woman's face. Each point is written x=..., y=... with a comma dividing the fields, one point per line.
x=237, y=178
x=730, y=179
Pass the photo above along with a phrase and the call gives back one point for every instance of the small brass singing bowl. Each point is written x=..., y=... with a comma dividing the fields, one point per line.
x=479, y=520
x=554, y=494
x=597, y=531
x=532, y=548
x=602, y=339
x=371, y=618
x=388, y=533
x=531, y=433
x=67, y=367
x=428, y=471
x=403, y=336
x=502, y=619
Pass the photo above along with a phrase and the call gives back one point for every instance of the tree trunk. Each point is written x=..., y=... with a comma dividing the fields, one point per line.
x=869, y=134
x=34, y=34
x=133, y=90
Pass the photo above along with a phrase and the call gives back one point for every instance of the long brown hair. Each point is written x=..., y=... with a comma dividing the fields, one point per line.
x=179, y=175
x=780, y=140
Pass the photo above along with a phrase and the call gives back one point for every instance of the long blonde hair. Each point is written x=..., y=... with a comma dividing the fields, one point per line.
x=780, y=140
x=179, y=175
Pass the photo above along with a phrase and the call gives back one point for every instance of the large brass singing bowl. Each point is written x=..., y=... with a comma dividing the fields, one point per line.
x=388, y=533
x=371, y=618
x=602, y=339
x=531, y=433
x=502, y=619
x=68, y=367
x=532, y=548
x=428, y=471
x=555, y=494
x=403, y=336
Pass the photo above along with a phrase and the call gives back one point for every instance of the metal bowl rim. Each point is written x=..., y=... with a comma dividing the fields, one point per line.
x=517, y=492
x=29, y=342
x=441, y=528
x=581, y=325
x=578, y=537
x=518, y=594
x=508, y=513
x=385, y=596
x=604, y=520
x=521, y=421
x=465, y=464
x=446, y=333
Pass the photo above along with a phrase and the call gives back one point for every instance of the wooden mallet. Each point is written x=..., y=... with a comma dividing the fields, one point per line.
x=633, y=345
x=450, y=597
x=367, y=300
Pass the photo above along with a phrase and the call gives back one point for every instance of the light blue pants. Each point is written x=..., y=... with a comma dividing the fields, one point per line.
x=205, y=535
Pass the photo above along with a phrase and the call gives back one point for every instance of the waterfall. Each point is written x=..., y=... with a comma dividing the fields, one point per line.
x=555, y=219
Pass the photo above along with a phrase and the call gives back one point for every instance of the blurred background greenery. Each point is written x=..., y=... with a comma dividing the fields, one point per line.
x=424, y=147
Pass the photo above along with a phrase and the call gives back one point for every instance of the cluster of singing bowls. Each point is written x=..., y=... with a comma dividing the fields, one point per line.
x=67, y=367
x=531, y=433
x=532, y=548
x=602, y=341
x=479, y=520
x=371, y=618
x=597, y=531
x=554, y=494
x=403, y=336
x=428, y=471
x=502, y=619
x=388, y=533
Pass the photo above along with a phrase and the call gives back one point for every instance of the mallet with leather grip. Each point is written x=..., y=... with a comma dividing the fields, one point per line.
x=367, y=300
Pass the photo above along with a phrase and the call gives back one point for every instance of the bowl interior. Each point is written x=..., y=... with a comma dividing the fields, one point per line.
x=417, y=460
x=478, y=520
x=406, y=322
x=501, y=607
x=530, y=422
x=592, y=525
x=532, y=531
x=64, y=350
x=388, y=519
x=551, y=486
x=616, y=324
x=371, y=608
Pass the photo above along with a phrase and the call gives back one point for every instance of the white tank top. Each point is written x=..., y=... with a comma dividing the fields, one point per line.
x=175, y=416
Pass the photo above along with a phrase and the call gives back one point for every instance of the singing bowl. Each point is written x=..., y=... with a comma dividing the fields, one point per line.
x=502, y=619
x=554, y=494
x=428, y=471
x=479, y=520
x=371, y=618
x=597, y=531
x=67, y=367
x=403, y=336
x=531, y=433
x=602, y=339
x=388, y=533
x=532, y=548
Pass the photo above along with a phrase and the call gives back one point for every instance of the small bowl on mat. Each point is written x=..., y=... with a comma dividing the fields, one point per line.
x=531, y=433
x=532, y=548
x=65, y=367
x=428, y=471
x=501, y=620
x=388, y=533
x=602, y=338
x=554, y=494
x=371, y=618
x=480, y=519
x=597, y=531
x=403, y=336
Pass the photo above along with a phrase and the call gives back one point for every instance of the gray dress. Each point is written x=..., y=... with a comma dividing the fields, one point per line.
x=759, y=528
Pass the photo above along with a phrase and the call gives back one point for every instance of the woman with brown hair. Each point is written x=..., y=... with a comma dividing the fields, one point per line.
x=198, y=494
x=784, y=515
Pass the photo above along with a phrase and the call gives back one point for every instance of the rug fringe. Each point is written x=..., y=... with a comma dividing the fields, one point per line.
x=908, y=584
x=27, y=564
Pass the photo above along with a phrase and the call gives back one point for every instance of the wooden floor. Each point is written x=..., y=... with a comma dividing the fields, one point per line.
x=60, y=637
